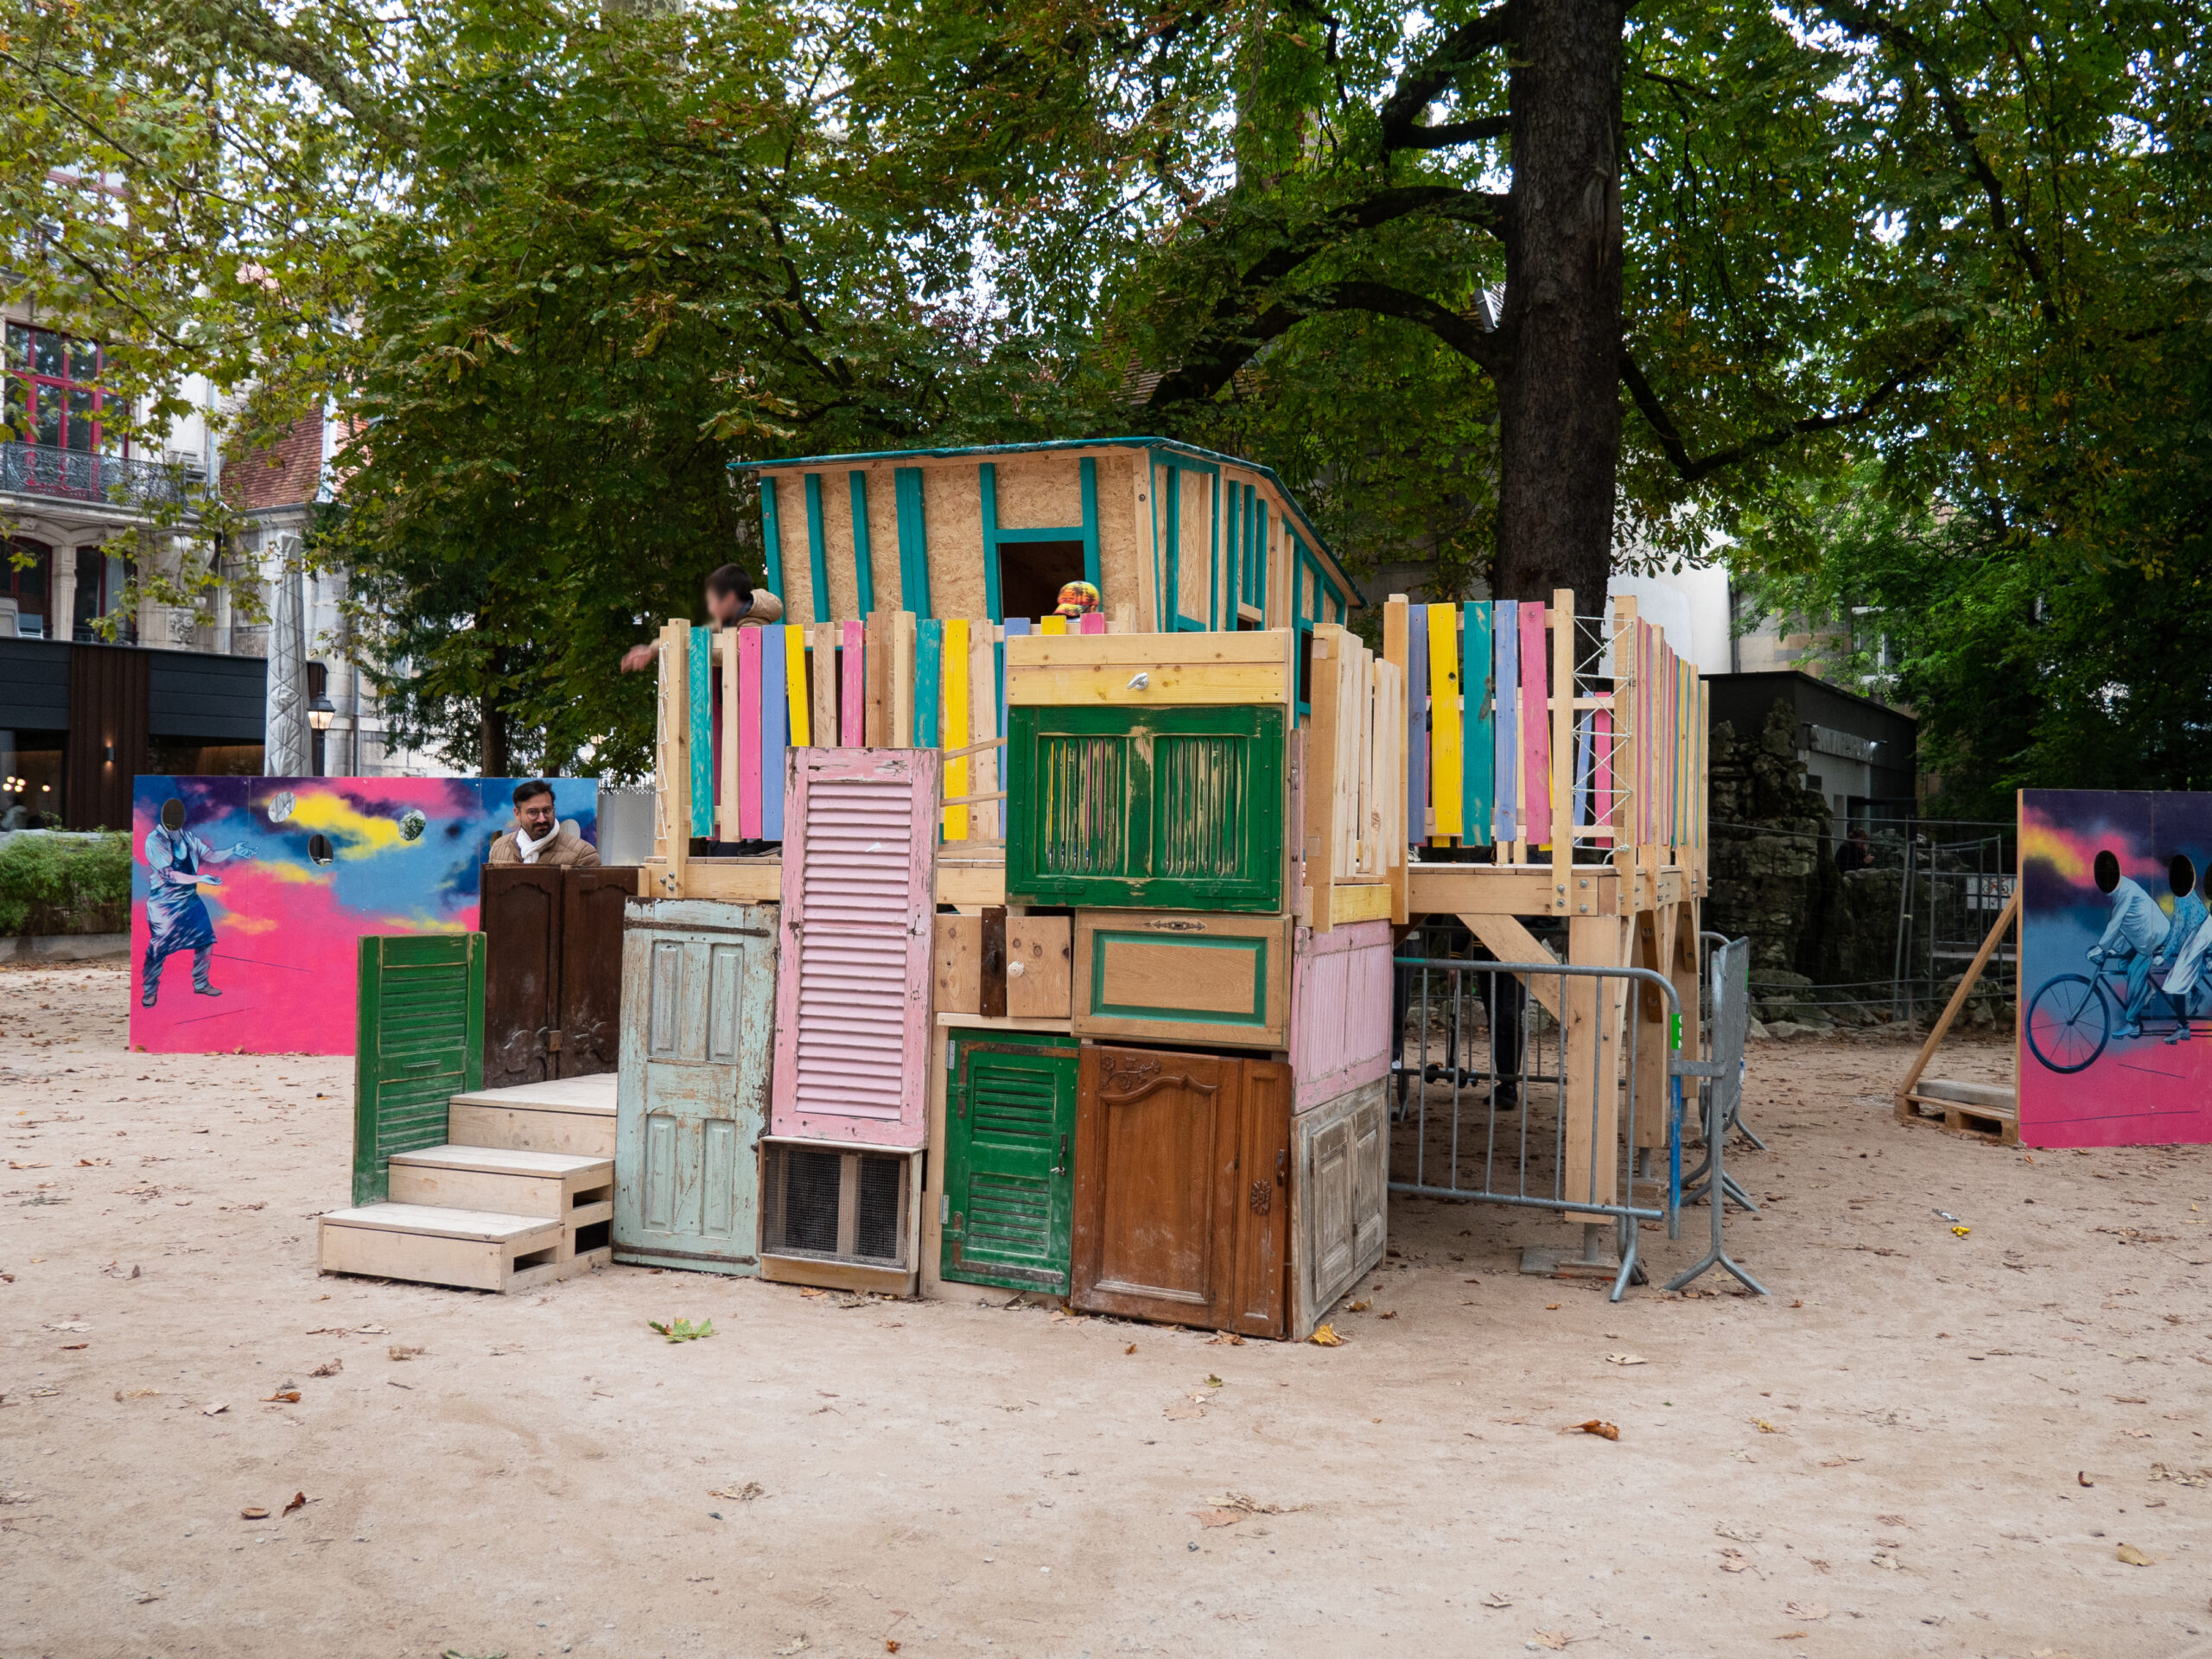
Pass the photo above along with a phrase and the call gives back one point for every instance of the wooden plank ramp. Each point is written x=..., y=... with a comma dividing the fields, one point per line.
x=1990, y=1111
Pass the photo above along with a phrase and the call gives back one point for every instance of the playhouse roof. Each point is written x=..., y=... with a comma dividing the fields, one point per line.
x=1307, y=533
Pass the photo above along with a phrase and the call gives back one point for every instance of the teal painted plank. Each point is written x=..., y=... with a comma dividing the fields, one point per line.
x=817, y=561
x=1478, y=729
x=1090, y=562
x=986, y=479
x=863, y=555
x=701, y=656
x=913, y=541
x=929, y=680
x=772, y=537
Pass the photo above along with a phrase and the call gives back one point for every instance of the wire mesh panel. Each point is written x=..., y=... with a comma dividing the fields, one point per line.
x=836, y=1206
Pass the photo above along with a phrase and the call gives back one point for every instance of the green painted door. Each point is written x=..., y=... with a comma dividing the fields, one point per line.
x=418, y=1042
x=1171, y=809
x=1009, y=1163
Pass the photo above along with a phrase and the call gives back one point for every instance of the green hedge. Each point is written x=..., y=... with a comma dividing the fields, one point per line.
x=53, y=884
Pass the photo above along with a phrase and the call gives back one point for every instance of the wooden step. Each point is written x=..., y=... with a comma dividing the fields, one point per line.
x=578, y=1192
x=573, y=1115
x=473, y=1249
x=1990, y=1111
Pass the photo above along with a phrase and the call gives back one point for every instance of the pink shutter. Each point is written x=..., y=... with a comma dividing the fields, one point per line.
x=1339, y=1011
x=852, y=983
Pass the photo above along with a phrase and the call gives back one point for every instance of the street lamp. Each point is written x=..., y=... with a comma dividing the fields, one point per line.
x=320, y=713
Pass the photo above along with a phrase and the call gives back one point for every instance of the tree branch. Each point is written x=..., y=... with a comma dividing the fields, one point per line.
x=1419, y=86
x=1676, y=448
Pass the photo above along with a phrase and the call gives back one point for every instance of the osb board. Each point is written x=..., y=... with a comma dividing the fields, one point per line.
x=1042, y=491
x=1195, y=556
x=1124, y=542
x=837, y=543
x=883, y=533
x=952, y=509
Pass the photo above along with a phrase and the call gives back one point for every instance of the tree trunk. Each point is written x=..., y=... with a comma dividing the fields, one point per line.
x=492, y=760
x=1559, y=405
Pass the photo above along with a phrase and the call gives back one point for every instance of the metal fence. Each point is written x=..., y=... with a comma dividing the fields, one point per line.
x=1516, y=1082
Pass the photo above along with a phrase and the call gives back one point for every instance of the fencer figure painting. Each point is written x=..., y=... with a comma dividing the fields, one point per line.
x=2115, y=987
x=262, y=885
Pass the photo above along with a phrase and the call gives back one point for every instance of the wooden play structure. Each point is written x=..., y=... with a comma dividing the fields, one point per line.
x=1068, y=964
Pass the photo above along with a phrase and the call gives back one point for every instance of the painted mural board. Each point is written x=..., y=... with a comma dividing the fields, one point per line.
x=2115, y=964
x=248, y=896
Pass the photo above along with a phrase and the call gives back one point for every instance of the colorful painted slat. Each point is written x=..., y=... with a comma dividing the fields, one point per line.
x=748, y=734
x=863, y=555
x=1601, y=726
x=1536, y=729
x=1478, y=749
x=795, y=684
x=1416, y=725
x=984, y=692
x=852, y=687
x=1443, y=700
x=956, y=723
x=929, y=685
x=702, y=664
x=775, y=662
x=727, y=683
x=1093, y=623
x=1505, y=670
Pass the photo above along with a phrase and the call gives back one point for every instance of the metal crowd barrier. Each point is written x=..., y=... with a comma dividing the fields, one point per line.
x=1476, y=1089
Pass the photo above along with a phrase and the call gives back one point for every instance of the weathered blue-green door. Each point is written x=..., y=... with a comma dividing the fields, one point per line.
x=698, y=996
x=1009, y=1162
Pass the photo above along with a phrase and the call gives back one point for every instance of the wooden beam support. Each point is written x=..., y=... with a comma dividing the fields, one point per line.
x=2006, y=918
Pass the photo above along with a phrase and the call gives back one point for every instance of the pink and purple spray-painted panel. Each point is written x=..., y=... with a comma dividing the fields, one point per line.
x=248, y=896
x=2115, y=967
x=1339, y=1011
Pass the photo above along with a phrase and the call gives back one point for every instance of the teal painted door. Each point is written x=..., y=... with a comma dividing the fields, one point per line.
x=1009, y=1164
x=698, y=995
x=418, y=1041
x=1178, y=809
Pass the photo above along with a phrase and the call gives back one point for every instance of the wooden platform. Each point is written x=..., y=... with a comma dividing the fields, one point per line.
x=1991, y=1110
x=469, y=1249
x=573, y=1116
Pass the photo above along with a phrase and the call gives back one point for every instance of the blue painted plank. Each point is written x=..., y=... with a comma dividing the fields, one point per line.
x=700, y=658
x=913, y=541
x=1506, y=667
x=863, y=555
x=772, y=537
x=986, y=481
x=774, y=733
x=1089, y=470
x=1478, y=732
x=818, y=562
x=929, y=671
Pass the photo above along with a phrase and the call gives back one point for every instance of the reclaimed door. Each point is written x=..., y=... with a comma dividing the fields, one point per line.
x=698, y=982
x=1157, y=1137
x=1162, y=808
x=589, y=1023
x=1260, y=1306
x=418, y=1042
x=1009, y=1183
x=852, y=998
x=521, y=910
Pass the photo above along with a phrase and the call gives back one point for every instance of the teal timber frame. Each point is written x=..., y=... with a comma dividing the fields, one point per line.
x=772, y=537
x=987, y=484
x=863, y=555
x=818, y=562
x=1170, y=569
x=913, y=541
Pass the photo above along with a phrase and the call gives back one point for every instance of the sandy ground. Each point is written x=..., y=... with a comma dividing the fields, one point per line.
x=1920, y=1444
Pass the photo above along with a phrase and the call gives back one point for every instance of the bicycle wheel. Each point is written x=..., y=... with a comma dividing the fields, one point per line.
x=2069, y=1022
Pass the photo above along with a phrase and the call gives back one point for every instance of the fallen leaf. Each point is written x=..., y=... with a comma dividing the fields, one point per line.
x=1811, y=1612
x=330, y=1368
x=137, y=1393
x=809, y=1295
x=1883, y=1558
x=71, y=1347
x=797, y=1643
x=1495, y=1599
x=400, y=1351
x=1212, y=1382
x=1229, y=1337
x=1217, y=1517
x=1553, y=1307
x=214, y=1410
x=299, y=1501
x=1245, y=1503
x=1764, y=1427
x=1131, y=1349
x=255, y=1514
x=282, y=1397
x=1326, y=1337
x=1626, y=1359
x=1734, y=1560
x=1358, y=1307
x=682, y=1330
x=1741, y=1534
x=2134, y=1557
x=744, y=1494
x=890, y=1645
x=1604, y=1430
x=2081, y=1478
x=370, y=1330
x=1555, y=1640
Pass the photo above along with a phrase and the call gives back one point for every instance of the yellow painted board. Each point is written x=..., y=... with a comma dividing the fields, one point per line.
x=1443, y=717
x=795, y=689
x=1051, y=625
x=956, y=722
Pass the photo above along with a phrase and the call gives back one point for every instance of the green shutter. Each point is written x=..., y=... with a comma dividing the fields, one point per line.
x=419, y=1041
x=1166, y=809
x=1009, y=1160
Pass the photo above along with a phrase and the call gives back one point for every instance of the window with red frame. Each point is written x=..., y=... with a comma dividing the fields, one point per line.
x=53, y=388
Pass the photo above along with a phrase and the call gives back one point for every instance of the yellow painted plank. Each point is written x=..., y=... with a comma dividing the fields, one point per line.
x=1443, y=717
x=795, y=687
x=1057, y=624
x=1365, y=902
x=956, y=722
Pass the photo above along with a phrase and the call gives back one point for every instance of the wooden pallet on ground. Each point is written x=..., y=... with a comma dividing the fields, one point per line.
x=1988, y=1110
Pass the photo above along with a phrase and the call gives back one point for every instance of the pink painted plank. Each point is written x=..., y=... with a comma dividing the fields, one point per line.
x=1536, y=729
x=748, y=734
x=852, y=965
x=852, y=701
x=1093, y=623
x=1601, y=746
x=1339, y=1011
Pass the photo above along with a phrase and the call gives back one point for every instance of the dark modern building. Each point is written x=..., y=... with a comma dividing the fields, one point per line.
x=1861, y=755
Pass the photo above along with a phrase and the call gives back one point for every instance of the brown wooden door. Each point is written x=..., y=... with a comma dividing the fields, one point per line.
x=589, y=1000
x=522, y=906
x=1262, y=1202
x=1156, y=1165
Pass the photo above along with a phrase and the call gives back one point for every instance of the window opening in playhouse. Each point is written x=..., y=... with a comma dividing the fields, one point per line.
x=1031, y=574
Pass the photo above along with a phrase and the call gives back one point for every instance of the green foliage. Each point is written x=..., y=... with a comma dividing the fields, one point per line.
x=57, y=884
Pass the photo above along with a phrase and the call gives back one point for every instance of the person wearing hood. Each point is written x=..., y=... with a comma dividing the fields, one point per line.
x=2135, y=934
x=2189, y=938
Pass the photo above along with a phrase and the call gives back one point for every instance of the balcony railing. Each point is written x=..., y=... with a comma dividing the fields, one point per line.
x=73, y=475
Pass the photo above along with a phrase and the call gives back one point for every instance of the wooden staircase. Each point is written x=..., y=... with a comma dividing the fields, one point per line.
x=522, y=1193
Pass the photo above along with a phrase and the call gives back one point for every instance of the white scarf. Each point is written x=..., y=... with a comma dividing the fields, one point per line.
x=528, y=848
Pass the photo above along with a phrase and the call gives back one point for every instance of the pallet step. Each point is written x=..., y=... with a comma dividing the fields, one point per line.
x=571, y=1115
x=1995, y=1097
x=2000, y=1125
x=472, y=1250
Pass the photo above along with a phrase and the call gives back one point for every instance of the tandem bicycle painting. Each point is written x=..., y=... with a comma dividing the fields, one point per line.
x=2115, y=967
